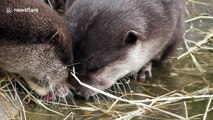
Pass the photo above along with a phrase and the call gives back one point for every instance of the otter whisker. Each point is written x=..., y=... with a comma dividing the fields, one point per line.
x=126, y=81
x=71, y=96
x=115, y=88
x=127, y=88
x=108, y=91
x=65, y=100
x=53, y=92
x=119, y=90
x=104, y=98
x=71, y=87
x=73, y=65
x=122, y=87
x=96, y=99
x=50, y=4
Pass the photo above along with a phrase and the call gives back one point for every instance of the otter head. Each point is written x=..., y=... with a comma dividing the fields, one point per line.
x=109, y=42
x=35, y=45
x=115, y=38
x=39, y=64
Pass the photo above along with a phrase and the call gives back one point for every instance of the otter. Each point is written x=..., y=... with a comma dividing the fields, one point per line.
x=35, y=43
x=117, y=38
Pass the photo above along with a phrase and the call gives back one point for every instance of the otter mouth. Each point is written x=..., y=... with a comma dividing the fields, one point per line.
x=40, y=89
x=49, y=97
x=86, y=92
x=86, y=89
x=58, y=92
x=49, y=91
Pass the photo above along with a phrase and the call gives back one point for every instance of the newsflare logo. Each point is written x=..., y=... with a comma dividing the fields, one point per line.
x=22, y=10
x=8, y=10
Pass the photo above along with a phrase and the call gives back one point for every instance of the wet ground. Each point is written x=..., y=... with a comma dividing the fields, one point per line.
x=173, y=79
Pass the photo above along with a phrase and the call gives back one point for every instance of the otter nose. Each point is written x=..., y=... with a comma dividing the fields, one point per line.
x=78, y=91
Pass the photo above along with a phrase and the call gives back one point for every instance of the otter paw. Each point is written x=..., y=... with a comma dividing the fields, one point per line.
x=145, y=72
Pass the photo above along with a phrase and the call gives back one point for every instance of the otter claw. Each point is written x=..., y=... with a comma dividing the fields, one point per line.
x=145, y=72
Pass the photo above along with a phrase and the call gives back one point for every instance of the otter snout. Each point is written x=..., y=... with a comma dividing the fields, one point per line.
x=81, y=90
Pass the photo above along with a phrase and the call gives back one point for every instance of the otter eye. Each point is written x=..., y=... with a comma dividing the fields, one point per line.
x=93, y=70
x=131, y=37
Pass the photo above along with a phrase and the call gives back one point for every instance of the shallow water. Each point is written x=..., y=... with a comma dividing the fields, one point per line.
x=174, y=76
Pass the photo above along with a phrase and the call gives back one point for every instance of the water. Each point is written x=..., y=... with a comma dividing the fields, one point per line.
x=173, y=78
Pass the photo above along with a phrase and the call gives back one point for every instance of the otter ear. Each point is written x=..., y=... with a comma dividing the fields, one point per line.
x=131, y=37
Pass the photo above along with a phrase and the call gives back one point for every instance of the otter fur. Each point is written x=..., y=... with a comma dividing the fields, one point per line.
x=115, y=38
x=35, y=43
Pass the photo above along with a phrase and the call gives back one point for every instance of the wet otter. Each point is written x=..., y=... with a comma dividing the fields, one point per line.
x=115, y=38
x=35, y=43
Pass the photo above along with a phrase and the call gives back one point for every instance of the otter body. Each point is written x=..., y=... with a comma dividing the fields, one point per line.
x=115, y=38
x=35, y=45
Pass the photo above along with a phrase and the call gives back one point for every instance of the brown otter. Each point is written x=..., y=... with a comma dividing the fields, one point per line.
x=35, y=43
x=115, y=38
